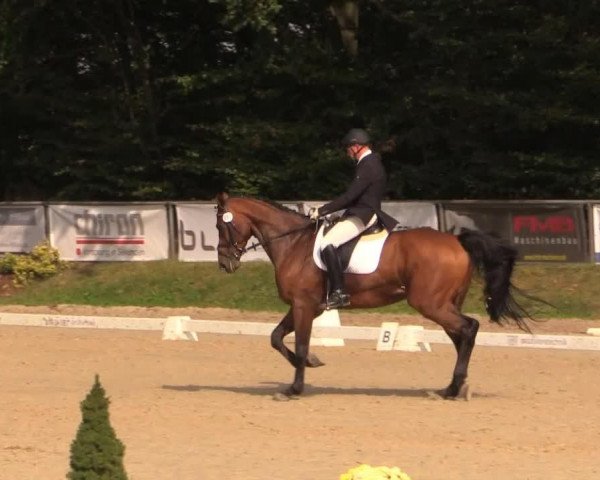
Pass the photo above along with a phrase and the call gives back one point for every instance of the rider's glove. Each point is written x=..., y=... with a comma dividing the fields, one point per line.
x=313, y=213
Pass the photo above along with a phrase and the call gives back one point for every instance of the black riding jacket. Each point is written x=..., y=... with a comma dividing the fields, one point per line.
x=364, y=195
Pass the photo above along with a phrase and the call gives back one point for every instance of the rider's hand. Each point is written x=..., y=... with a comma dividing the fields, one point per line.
x=313, y=213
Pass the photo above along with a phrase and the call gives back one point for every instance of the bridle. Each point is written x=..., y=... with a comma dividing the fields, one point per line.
x=232, y=230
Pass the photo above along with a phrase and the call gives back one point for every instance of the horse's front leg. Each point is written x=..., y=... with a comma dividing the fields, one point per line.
x=303, y=318
x=285, y=327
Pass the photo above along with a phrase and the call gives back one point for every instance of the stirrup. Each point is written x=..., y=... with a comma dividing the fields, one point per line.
x=337, y=299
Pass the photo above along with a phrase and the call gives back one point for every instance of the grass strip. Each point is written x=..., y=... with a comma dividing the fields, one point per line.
x=571, y=288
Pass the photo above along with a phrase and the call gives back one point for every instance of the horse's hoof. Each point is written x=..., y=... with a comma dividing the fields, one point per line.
x=313, y=361
x=445, y=394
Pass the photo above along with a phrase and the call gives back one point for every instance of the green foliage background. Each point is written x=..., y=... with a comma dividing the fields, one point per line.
x=169, y=99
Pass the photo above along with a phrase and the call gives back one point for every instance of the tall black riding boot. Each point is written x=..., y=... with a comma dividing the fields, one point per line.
x=337, y=298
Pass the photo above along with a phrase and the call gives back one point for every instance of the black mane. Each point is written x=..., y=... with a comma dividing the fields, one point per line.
x=279, y=206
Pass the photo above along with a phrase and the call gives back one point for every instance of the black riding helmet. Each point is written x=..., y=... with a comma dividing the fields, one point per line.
x=356, y=136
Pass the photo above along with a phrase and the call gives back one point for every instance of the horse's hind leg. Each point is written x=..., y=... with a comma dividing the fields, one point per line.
x=285, y=327
x=464, y=341
x=462, y=330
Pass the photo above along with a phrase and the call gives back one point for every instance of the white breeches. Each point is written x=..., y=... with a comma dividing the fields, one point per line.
x=346, y=230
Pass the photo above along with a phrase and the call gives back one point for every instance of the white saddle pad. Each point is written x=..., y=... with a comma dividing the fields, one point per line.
x=365, y=256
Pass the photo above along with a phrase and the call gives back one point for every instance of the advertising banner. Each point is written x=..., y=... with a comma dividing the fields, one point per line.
x=596, y=234
x=413, y=214
x=21, y=228
x=197, y=234
x=408, y=214
x=111, y=233
x=540, y=231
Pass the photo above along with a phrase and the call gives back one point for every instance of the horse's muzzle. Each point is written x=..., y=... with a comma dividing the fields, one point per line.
x=228, y=264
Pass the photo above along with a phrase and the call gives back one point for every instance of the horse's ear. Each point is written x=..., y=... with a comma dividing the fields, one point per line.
x=222, y=198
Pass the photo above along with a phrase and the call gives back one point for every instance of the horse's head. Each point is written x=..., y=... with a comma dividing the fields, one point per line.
x=234, y=232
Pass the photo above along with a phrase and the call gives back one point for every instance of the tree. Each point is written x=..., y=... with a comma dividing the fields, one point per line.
x=96, y=452
x=179, y=99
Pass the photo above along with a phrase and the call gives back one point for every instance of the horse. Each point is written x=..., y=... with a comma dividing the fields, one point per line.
x=431, y=270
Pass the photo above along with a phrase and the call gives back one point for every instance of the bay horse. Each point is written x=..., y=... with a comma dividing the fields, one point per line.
x=432, y=270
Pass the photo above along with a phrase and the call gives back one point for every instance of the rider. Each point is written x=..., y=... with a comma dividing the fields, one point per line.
x=362, y=201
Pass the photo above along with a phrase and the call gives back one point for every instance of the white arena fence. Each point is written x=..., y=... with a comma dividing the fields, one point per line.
x=327, y=331
x=553, y=231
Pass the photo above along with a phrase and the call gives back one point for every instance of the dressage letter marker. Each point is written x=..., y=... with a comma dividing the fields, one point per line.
x=387, y=336
x=409, y=339
x=175, y=329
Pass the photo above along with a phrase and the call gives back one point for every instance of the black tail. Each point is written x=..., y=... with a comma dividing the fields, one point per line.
x=495, y=259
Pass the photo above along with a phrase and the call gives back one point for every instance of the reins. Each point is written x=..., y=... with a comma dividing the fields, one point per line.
x=254, y=246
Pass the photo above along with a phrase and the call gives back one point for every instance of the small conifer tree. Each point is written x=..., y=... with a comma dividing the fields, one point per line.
x=96, y=452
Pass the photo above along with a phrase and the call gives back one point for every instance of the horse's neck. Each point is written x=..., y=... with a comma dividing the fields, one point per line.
x=271, y=221
x=277, y=227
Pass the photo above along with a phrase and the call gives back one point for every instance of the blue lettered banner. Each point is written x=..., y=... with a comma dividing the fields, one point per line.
x=197, y=235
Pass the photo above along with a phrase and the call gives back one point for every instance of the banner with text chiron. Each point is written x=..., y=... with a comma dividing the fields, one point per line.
x=109, y=232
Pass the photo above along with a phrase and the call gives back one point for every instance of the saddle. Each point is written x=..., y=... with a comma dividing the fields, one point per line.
x=359, y=255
